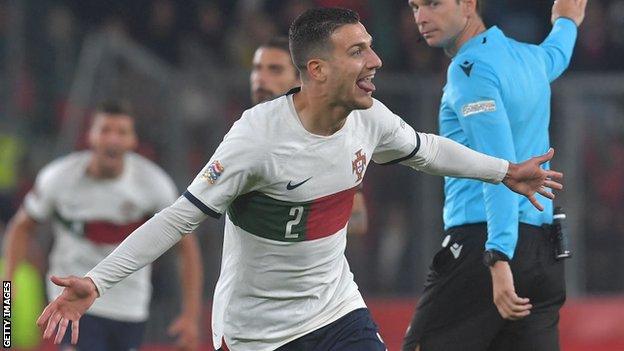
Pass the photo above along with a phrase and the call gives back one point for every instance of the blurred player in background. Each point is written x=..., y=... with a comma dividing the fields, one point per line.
x=285, y=174
x=94, y=199
x=273, y=73
x=496, y=101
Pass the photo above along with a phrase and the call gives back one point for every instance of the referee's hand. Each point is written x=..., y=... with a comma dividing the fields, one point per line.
x=572, y=9
x=509, y=304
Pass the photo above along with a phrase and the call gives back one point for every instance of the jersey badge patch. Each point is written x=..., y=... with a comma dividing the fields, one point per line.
x=213, y=172
x=359, y=164
x=478, y=107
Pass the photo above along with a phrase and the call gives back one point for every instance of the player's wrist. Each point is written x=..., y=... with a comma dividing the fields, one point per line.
x=93, y=289
x=512, y=170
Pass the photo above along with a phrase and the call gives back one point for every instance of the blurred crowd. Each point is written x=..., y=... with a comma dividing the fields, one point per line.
x=41, y=44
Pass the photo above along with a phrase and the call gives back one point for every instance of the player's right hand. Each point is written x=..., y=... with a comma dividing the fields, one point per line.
x=572, y=9
x=78, y=295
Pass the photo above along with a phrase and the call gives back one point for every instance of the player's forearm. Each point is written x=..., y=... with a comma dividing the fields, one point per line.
x=146, y=243
x=441, y=156
x=192, y=276
x=16, y=241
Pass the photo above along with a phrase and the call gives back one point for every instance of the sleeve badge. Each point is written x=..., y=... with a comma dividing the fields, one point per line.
x=213, y=172
x=479, y=107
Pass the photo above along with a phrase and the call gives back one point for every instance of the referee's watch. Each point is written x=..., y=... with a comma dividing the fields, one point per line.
x=492, y=256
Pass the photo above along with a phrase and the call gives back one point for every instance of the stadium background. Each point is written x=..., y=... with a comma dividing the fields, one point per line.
x=185, y=65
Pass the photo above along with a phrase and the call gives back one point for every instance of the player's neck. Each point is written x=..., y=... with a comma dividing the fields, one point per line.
x=474, y=26
x=317, y=114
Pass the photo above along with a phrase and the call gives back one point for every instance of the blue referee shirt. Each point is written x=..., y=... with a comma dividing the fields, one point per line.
x=497, y=101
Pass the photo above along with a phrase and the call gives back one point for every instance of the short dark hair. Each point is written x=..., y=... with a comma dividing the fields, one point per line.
x=114, y=107
x=279, y=42
x=309, y=33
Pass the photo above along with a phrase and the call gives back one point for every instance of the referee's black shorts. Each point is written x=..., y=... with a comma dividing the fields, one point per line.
x=456, y=311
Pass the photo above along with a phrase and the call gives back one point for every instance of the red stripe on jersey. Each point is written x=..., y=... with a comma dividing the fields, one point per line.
x=102, y=232
x=329, y=214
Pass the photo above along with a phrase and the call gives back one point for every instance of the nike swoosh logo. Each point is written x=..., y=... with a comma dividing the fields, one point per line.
x=290, y=186
x=467, y=68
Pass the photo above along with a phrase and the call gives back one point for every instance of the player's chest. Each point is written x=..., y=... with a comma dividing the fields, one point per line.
x=320, y=168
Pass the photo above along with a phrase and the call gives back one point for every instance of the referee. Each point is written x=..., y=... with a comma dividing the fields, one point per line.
x=496, y=101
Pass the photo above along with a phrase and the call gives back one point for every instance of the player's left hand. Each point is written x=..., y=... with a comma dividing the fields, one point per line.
x=186, y=329
x=528, y=178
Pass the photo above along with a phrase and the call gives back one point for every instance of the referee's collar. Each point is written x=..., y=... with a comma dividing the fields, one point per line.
x=481, y=39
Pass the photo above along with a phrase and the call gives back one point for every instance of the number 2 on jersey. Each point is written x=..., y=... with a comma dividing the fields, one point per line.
x=297, y=212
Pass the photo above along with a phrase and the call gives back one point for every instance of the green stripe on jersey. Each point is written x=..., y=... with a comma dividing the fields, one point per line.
x=269, y=218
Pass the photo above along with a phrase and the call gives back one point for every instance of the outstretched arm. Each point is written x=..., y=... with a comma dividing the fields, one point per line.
x=142, y=247
x=186, y=326
x=441, y=156
x=556, y=50
x=399, y=143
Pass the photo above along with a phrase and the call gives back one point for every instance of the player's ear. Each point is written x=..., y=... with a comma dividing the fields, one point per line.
x=133, y=139
x=468, y=7
x=317, y=69
x=93, y=131
x=91, y=137
x=134, y=142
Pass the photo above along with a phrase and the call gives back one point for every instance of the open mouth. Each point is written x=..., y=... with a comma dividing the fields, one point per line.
x=366, y=84
x=113, y=153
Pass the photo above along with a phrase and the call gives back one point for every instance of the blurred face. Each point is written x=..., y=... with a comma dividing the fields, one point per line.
x=272, y=74
x=110, y=137
x=440, y=22
x=352, y=66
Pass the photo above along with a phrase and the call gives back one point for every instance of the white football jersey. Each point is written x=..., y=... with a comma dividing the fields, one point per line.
x=90, y=217
x=288, y=196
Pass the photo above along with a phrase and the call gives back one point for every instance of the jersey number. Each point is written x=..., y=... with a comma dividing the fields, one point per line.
x=297, y=212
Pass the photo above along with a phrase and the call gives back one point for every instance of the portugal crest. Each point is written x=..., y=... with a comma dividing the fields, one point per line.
x=359, y=164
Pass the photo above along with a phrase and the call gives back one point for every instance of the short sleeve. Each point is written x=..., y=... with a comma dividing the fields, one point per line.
x=233, y=170
x=39, y=202
x=397, y=140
